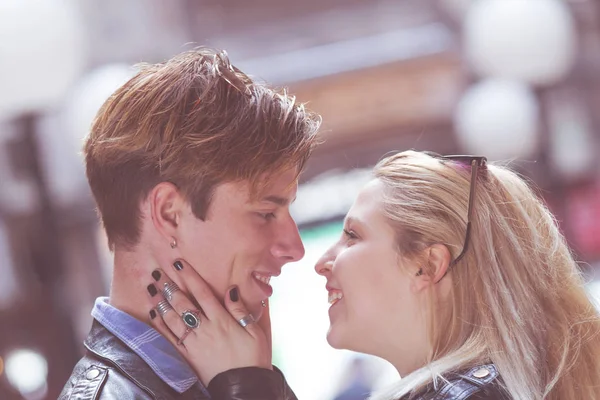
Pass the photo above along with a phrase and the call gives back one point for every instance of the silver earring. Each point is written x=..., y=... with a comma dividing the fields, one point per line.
x=174, y=243
x=262, y=303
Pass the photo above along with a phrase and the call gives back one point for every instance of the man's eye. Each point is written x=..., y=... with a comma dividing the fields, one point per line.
x=267, y=216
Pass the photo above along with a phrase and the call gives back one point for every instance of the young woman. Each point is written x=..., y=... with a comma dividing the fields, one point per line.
x=450, y=269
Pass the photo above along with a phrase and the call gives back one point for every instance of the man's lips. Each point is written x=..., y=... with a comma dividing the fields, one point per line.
x=262, y=277
x=265, y=276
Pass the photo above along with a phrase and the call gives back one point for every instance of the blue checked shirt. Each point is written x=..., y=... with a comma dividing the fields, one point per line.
x=146, y=342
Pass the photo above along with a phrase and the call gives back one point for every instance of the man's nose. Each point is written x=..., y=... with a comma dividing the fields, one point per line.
x=288, y=245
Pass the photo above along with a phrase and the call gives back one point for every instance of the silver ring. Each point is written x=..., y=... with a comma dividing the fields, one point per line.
x=190, y=318
x=246, y=320
x=163, y=307
x=170, y=288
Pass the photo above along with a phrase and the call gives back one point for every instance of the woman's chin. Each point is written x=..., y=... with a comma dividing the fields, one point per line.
x=334, y=339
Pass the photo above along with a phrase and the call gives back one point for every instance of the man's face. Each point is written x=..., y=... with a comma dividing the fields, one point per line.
x=244, y=242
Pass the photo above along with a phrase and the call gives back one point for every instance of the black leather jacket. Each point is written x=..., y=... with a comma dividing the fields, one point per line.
x=111, y=370
x=478, y=383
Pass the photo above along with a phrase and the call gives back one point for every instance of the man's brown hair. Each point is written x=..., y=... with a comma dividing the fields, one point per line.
x=195, y=121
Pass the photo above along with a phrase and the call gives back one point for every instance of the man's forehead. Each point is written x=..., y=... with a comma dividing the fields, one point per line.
x=280, y=201
x=279, y=188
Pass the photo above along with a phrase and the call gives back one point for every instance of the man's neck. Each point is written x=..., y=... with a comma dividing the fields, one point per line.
x=131, y=277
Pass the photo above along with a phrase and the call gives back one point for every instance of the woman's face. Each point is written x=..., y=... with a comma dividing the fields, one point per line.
x=375, y=307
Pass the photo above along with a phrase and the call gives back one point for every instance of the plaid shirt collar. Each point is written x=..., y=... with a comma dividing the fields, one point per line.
x=148, y=344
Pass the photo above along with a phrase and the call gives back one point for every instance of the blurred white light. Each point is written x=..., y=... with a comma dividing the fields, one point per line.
x=26, y=370
x=593, y=290
x=498, y=119
x=338, y=57
x=329, y=195
x=41, y=48
x=18, y=194
x=529, y=40
x=62, y=158
x=90, y=93
x=572, y=145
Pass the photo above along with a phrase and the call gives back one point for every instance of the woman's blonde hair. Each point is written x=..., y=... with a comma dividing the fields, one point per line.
x=518, y=297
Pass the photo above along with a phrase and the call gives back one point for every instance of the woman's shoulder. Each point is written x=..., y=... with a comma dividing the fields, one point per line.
x=482, y=382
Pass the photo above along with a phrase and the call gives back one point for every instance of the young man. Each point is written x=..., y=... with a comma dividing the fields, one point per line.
x=190, y=159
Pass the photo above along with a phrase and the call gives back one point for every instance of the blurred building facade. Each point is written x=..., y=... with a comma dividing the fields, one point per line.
x=385, y=75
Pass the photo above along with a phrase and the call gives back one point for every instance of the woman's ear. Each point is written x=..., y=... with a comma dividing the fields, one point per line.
x=432, y=266
x=166, y=207
x=439, y=258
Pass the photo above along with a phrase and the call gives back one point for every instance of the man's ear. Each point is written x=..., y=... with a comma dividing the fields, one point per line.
x=166, y=208
x=436, y=261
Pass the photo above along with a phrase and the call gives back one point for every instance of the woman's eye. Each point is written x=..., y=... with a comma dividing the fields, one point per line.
x=350, y=234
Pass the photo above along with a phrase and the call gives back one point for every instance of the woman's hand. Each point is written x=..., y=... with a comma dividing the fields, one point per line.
x=211, y=338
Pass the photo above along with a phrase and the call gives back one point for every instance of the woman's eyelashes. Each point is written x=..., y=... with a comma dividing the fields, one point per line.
x=350, y=234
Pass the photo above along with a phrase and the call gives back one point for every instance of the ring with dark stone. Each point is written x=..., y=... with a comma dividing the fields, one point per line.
x=190, y=318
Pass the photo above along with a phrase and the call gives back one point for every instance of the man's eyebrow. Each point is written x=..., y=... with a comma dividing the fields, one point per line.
x=280, y=201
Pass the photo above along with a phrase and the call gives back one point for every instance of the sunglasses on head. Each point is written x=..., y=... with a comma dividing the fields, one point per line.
x=476, y=163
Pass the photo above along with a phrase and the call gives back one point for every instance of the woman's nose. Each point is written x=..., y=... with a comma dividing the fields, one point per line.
x=325, y=263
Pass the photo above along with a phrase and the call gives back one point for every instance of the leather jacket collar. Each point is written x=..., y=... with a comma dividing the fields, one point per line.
x=108, y=348
x=480, y=382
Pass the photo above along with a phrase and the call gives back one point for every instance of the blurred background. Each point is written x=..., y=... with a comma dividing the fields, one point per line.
x=516, y=80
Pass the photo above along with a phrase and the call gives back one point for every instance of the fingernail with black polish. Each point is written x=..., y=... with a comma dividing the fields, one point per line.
x=178, y=265
x=234, y=295
x=156, y=275
x=152, y=314
x=152, y=290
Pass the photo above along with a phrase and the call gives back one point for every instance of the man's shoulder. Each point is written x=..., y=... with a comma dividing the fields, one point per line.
x=94, y=379
x=110, y=369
